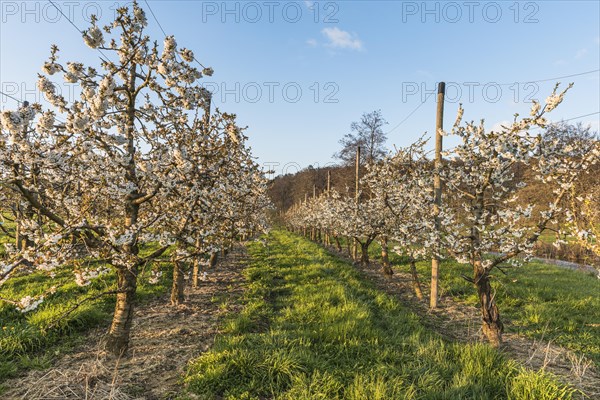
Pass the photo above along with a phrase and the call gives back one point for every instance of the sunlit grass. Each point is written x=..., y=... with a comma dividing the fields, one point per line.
x=312, y=328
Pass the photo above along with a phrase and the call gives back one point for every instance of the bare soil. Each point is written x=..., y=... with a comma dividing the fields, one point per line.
x=164, y=339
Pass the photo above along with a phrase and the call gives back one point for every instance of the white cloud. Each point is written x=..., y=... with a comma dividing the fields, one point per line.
x=311, y=42
x=342, y=39
x=309, y=4
x=581, y=53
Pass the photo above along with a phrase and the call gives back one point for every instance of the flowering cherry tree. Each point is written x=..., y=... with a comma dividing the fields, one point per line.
x=581, y=222
x=226, y=191
x=582, y=219
x=361, y=220
x=487, y=219
x=132, y=165
x=480, y=182
x=403, y=183
x=343, y=215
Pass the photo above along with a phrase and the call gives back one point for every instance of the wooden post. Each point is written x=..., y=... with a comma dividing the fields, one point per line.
x=327, y=238
x=305, y=202
x=437, y=188
x=357, y=171
x=315, y=230
x=356, y=195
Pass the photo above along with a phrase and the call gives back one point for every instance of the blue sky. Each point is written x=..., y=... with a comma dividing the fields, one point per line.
x=298, y=73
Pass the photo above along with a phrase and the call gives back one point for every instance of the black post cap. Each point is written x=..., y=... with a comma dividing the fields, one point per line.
x=441, y=87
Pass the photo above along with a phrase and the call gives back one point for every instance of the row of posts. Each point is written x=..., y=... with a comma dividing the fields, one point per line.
x=437, y=188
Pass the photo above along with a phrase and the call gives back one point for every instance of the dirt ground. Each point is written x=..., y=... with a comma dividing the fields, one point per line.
x=461, y=322
x=163, y=340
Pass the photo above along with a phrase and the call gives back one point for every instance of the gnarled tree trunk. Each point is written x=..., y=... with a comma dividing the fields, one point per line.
x=492, y=325
x=117, y=340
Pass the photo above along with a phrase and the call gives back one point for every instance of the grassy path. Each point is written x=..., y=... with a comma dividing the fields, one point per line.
x=312, y=328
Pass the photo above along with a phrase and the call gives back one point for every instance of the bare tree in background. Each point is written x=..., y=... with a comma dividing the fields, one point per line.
x=368, y=134
x=575, y=137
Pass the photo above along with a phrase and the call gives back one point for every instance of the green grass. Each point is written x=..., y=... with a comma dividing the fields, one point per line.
x=26, y=341
x=313, y=328
x=537, y=300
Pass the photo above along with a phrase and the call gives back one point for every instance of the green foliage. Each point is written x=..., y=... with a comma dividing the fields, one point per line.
x=312, y=328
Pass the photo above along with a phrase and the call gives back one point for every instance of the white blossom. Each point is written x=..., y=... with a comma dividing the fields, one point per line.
x=93, y=37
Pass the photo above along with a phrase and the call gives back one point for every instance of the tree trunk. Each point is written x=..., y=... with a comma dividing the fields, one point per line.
x=118, y=335
x=212, y=263
x=117, y=340
x=492, y=325
x=385, y=260
x=338, y=244
x=22, y=242
x=196, y=265
x=214, y=258
x=195, y=272
x=364, y=252
x=177, y=297
x=415, y=279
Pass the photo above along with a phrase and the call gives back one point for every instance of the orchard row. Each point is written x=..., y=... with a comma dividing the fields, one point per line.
x=484, y=218
x=134, y=170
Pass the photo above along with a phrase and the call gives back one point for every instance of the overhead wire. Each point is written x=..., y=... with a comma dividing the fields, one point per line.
x=410, y=114
x=163, y=31
x=501, y=84
x=107, y=59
